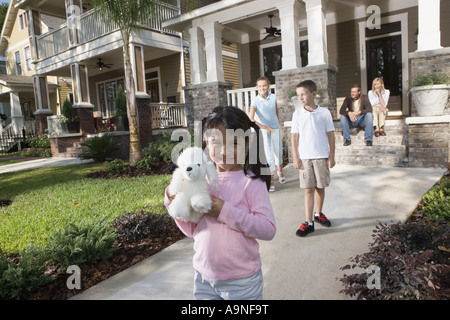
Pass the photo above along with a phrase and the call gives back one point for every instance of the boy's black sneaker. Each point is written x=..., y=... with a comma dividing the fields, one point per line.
x=304, y=229
x=322, y=220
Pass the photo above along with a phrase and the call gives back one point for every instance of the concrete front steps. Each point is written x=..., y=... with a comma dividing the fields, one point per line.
x=387, y=151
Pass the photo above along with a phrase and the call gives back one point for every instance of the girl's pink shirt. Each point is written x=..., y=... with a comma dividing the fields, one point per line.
x=226, y=247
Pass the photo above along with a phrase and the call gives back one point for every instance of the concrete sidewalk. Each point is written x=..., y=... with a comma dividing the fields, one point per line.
x=294, y=268
x=40, y=163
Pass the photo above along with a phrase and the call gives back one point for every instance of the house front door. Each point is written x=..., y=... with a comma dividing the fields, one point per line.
x=384, y=59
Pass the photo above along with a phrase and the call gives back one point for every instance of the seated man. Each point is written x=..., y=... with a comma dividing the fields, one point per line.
x=356, y=111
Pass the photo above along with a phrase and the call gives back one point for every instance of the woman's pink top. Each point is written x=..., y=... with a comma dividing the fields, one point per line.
x=226, y=247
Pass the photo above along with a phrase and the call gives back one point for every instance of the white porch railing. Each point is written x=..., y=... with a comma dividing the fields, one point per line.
x=94, y=25
x=242, y=98
x=168, y=115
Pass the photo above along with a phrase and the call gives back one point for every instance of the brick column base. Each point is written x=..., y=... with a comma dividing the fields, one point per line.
x=144, y=113
x=41, y=122
x=86, y=116
x=200, y=99
x=428, y=142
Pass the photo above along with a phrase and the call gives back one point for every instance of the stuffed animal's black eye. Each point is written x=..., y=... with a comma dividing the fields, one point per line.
x=198, y=164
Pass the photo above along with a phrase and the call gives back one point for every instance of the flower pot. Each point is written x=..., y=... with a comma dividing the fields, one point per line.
x=121, y=123
x=73, y=127
x=430, y=100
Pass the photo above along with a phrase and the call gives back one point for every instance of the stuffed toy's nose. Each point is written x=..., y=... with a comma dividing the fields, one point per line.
x=188, y=168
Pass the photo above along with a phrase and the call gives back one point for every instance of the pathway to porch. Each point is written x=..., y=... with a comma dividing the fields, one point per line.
x=294, y=268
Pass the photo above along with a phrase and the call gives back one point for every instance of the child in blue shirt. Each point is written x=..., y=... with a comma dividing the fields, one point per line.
x=264, y=112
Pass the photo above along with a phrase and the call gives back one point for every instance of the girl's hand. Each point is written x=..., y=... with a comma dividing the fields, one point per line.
x=216, y=206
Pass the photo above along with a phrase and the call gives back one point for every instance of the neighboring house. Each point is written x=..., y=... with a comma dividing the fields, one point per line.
x=70, y=44
x=336, y=44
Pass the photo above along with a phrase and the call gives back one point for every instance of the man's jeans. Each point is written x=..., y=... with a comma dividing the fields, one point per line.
x=364, y=121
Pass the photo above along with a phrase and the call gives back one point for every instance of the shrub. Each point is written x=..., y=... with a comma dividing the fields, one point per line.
x=38, y=142
x=160, y=150
x=99, y=148
x=430, y=79
x=437, y=202
x=116, y=166
x=133, y=226
x=144, y=163
x=85, y=242
x=18, y=280
x=120, y=103
x=410, y=256
x=68, y=113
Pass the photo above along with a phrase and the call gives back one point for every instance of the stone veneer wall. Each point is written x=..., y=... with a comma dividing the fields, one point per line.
x=200, y=99
x=433, y=61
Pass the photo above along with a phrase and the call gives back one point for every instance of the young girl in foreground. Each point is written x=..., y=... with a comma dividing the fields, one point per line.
x=226, y=261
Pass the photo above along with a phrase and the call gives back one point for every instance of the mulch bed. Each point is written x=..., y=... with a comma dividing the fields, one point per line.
x=131, y=171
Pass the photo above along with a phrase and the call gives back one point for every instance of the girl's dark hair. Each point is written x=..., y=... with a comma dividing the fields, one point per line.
x=234, y=118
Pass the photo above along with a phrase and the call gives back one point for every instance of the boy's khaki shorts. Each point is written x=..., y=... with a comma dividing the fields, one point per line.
x=314, y=174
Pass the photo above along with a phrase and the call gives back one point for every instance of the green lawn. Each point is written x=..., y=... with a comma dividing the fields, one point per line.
x=43, y=199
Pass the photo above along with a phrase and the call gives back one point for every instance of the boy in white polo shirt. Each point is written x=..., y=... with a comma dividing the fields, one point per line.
x=313, y=146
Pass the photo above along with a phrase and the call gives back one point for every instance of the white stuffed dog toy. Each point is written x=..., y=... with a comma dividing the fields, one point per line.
x=192, y=199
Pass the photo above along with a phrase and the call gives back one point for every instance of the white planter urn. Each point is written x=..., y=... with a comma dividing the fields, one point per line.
x=430, y=100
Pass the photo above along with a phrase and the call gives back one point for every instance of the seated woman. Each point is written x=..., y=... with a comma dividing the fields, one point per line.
x=379, y=97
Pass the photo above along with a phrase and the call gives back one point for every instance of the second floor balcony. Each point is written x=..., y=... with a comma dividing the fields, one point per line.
x=92, y=25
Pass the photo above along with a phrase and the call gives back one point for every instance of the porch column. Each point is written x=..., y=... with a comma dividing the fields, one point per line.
x=317, y=32
x=34, y=30
x=429, y=37
x=197, y=55
x=289, y=16
x=17, y=118
x=42, y=102
x=213, y=48
x=73, y=12
x=137, y=64
x=82, y=103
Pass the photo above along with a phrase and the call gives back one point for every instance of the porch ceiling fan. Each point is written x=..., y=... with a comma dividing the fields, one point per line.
x=100, y=65
x=272, y=32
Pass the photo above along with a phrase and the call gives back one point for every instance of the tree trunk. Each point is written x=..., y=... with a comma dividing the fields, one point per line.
x=135, y=143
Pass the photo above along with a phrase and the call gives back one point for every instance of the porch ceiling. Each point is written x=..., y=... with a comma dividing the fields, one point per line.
x=246, y=21
x=50, y=7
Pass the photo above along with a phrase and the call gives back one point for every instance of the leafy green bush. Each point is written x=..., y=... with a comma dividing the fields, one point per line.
x=120, y=103
x=38, y=142
x=410, y=256
x=99, y=148
x=68, y=113
x=84, y=242
x=160, y=150
x=133, y=226
x=18, y=280
x=430, y=79
x=437, y=202
x=115, y=166
x=144, y=163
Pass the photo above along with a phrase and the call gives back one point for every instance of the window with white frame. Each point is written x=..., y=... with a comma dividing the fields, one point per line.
x=23, y=20
x=18, y=63
x=28, y=58
x=106, y=94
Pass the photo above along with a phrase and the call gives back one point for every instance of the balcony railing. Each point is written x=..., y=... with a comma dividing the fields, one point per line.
x=93, y=25
x=242, y=98
x=168, y=115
